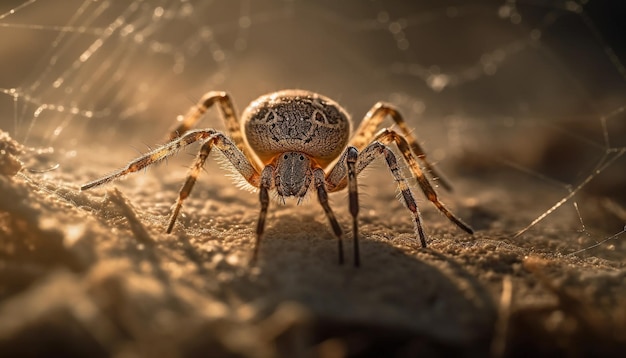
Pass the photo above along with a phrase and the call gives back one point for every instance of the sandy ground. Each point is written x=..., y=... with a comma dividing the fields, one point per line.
x=93, y=273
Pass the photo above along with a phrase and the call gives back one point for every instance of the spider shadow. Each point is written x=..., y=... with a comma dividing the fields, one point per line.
x=394, y=300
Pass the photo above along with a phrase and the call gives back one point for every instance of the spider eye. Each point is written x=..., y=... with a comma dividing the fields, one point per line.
x=302, y=157
x=285, y=157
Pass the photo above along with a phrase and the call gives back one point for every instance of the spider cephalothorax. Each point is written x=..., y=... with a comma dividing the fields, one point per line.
x=291, y=139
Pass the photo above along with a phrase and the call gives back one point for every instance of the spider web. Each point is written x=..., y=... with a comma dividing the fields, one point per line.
x=500, y=92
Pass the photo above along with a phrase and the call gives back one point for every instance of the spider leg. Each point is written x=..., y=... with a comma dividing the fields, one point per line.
x=386, y=136
x=367, y=131
x=267, y=178
x=227, y=110
x=322, y=195
x=185, y=190
x=234, y=156
x=377, y=149
x=153, y=156
x=353, y=195
x=339, y=176
x=211, y=138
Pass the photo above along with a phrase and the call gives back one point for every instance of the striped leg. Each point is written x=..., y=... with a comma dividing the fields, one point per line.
x=154, y=156
x=386, y=136
x=376, y=149
x=185, y=190
x=368, y=128
x=339, y=176
x=229, y=116
x=234, y=156
x=322, y=195
x=211, y=138
x=353, y=196
x=266, y=183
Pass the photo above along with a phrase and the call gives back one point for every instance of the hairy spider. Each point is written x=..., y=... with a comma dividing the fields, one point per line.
x=291, y=139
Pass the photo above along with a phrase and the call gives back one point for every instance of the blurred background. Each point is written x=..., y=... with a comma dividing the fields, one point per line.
x=522, y=104
x=510, y=98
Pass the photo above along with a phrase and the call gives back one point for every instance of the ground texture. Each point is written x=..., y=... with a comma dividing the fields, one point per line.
x=93, y=273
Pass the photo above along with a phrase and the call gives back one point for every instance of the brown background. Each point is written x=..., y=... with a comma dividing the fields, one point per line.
x=519, y=126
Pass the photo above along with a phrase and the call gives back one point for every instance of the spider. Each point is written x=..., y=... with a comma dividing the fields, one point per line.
x=287, y=141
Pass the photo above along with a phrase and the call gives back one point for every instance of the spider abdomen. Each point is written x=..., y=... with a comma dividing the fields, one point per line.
x=296, y=121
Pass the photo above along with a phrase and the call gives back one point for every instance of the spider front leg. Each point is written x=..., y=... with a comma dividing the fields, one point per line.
x=153, y=157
